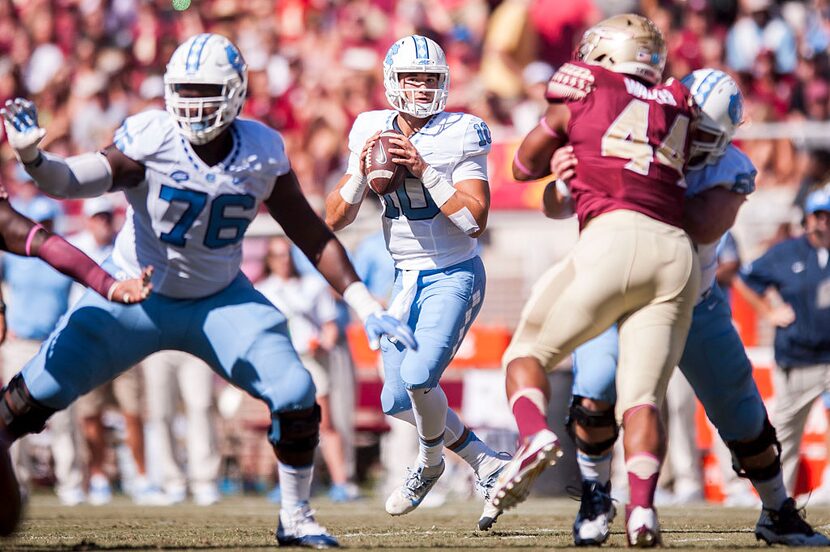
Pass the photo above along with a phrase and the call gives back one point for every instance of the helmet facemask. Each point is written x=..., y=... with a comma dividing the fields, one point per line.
x=403, y=98
x=709, y=143
x=201, y=118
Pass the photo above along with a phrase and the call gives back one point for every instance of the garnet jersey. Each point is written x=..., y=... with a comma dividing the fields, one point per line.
x=631, y=141
x=188, y=219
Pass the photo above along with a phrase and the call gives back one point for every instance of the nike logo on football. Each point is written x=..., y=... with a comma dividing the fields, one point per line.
x=381, y=157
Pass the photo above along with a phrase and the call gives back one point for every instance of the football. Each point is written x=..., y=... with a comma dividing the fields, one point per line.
x=384, y=176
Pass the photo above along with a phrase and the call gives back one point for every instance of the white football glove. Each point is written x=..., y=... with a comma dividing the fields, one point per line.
x=24, y=134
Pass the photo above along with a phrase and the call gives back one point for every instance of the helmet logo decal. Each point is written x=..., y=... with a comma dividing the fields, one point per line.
x=392, y=51
x=233, y=57
x=736, y=108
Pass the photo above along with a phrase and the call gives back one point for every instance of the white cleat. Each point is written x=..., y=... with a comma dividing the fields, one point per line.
x=485, y=485
x=418, y=483
x=641, y=527
x=514, y=484
x=100, y=492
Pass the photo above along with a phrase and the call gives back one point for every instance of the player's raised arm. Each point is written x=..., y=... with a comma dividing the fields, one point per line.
x=79, y=176
x=343, y=202
x=289, y=207
x=532, y=159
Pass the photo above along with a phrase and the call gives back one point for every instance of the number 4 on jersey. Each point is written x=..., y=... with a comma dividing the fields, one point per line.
x=627, y=137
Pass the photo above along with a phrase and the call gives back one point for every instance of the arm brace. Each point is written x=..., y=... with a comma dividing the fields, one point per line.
x=85, y=175
x=71, y=261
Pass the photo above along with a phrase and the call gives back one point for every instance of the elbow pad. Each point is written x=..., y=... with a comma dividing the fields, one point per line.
x=80, y=176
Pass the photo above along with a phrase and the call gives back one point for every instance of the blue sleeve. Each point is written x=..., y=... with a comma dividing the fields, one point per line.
x=760, y=274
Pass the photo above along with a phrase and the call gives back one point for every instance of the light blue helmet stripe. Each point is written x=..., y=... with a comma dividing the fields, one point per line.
x=421, y=48
x=707, y=86
x=194, y=54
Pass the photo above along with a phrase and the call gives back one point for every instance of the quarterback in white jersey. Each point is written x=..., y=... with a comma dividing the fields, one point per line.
x=430, y=223
x=719, y=177
x=195, y=176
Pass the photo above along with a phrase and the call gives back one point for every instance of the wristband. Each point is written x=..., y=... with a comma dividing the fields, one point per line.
x=438, y=187
x=522, y=168
x=352, y=190
x=358, y=297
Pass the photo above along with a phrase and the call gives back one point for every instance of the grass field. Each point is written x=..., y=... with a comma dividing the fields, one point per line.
x=248, y=523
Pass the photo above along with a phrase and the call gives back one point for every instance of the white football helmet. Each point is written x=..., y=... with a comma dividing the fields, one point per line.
x=416, y=54
x=205, y=59
x=721, y=112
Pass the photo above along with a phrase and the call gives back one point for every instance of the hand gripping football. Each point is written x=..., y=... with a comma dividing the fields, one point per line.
x=384, y=176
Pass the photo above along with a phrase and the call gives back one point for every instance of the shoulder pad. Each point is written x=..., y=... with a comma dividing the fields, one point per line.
x=477, y=137
x=143, y=136
x=570, y=82
x=269, y=145
x=366, y=124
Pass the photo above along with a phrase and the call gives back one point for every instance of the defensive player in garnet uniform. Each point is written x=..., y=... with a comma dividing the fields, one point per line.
x=719, y=177
x=430, y=224
x=633, y=263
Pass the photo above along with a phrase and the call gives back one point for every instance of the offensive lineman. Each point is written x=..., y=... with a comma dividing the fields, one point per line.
x=633, y=264
x=430, y=224
x=719, y=177
x=194, y=177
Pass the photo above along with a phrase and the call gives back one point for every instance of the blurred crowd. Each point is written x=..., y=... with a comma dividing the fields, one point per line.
x=315, y=64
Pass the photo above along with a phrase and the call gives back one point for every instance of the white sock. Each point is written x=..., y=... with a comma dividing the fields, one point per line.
x=430, y=408
x=474, y=451
x=773, y=493
x=295, y=485
x=594, y=468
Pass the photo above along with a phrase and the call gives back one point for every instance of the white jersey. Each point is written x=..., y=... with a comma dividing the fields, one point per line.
x=418, y=235
x=188, y=219
x=734, y=171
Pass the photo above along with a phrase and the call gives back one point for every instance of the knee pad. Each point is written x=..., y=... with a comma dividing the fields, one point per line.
x=761, y=443
x=20, y=414
x=394, y=400
x=295, y=431
x=587, y=418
